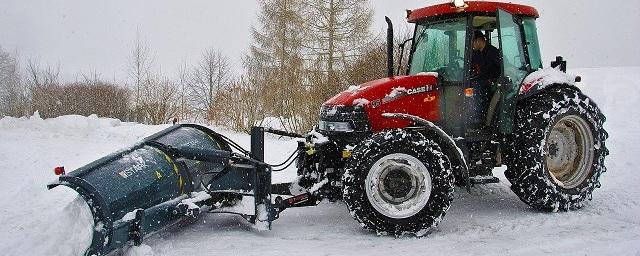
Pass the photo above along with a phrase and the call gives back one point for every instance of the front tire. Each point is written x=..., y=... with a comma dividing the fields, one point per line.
x=399, y=183
x=558, y=150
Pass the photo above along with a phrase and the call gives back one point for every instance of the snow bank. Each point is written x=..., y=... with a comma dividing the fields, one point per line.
x=58, y=124
x=66, y=228
x=490, y=220
x=78, y=127
x=75, y=223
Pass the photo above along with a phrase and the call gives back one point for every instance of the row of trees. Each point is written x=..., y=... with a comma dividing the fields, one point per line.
x=303, y=53
x=150, y=97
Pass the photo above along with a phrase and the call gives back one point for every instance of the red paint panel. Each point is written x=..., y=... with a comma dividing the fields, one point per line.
x=419, y=97
x=472, y=6
x=416, y=105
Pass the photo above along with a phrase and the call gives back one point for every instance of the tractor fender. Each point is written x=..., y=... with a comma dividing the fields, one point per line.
x=443, y=139
x=536, y=91
x=541, y=80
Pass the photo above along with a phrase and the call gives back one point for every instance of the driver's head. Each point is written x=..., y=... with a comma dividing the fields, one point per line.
x=479, y=41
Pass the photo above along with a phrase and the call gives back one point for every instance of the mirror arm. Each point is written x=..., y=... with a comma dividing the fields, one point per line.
x=402, y=48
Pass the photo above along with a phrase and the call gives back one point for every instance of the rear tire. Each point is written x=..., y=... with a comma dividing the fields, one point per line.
x=558, y=150
x=398, y=183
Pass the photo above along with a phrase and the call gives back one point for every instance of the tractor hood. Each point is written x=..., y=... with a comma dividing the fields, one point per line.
x=386, y=90
x=414, y=95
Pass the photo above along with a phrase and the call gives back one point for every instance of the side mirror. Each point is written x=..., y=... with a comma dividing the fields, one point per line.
x=402, y=48
x=559, y=62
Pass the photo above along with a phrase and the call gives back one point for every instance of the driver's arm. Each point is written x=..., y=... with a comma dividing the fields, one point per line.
x=493, y=68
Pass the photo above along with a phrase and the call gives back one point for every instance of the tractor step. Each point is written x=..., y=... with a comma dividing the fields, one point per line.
x=484, y=180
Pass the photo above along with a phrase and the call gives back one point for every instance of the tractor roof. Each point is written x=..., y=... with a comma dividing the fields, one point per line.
x=471, y=7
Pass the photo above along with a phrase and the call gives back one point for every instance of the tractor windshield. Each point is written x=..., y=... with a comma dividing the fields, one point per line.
x=439, y=47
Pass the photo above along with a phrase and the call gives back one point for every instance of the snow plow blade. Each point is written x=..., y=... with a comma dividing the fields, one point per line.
x=162, y=179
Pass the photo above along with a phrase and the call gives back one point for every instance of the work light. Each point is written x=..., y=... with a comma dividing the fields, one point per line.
x=459, y=3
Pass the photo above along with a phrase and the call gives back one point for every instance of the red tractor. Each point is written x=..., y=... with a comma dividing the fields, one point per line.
x=393, y=149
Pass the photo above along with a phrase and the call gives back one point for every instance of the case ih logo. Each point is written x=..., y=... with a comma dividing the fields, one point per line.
x=422, y=89
x=400, y=92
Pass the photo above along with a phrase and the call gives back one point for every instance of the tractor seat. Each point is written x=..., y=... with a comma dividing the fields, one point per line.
x=493, y=106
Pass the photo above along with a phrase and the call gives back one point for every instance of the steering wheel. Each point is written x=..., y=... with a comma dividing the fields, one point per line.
x=459, y=60
x=456, y=67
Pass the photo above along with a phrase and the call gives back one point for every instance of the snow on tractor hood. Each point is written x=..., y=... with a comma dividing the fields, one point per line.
x=378, y=92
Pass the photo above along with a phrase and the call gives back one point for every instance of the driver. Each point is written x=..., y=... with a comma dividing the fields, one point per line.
x=485, y=71
x=485, y=60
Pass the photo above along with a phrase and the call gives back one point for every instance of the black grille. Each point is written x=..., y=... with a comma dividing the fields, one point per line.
x=357, y=116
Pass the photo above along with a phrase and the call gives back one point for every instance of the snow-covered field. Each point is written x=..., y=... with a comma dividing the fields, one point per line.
x=490, y=220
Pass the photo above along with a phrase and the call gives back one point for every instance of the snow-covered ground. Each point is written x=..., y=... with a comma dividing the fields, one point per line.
x=490, y=220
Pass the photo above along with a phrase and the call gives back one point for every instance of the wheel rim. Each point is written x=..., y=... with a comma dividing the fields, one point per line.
x=569, y=151
x=398, y=186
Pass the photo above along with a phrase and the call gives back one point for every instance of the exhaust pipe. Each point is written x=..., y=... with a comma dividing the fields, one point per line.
x=390, y=62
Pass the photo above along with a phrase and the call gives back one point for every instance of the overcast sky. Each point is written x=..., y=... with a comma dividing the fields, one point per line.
x=88, y=35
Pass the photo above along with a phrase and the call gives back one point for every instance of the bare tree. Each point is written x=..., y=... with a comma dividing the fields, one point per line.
x=14, y=96
x=140, y=65
x=339, y=29
x=207, y=80
x=159, y=100
x=185, y=112
x=41, y=76
x=243, y=106
x=371, y=64
x=301, y=53
x=275, y=62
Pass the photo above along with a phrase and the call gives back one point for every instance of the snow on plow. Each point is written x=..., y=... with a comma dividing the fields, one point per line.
x=173, y=174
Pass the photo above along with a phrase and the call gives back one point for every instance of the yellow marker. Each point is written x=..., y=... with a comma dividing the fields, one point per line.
x=311, y=151
x=346, y=154
x=175, y=170
x=158, y=175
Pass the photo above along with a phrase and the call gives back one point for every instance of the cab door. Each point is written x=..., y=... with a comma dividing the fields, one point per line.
x=514, y=68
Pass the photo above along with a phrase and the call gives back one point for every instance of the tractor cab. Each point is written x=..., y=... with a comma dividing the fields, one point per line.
x=444, y=82
x=443, y=44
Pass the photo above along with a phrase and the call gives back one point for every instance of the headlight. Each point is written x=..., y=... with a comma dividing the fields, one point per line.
x=335, y=126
